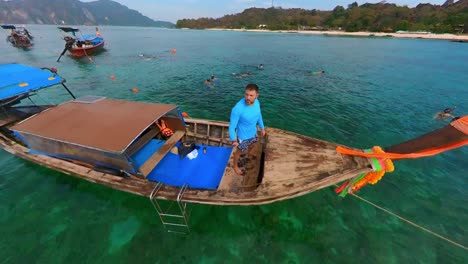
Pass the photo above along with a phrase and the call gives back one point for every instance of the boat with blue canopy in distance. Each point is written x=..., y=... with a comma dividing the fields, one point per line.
x=19, y=36
x=151, y=150
x=82, y=45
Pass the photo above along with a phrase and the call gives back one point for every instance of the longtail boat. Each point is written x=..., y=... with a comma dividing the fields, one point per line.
x=82, y=45
x=125, y=145
x=19, y=36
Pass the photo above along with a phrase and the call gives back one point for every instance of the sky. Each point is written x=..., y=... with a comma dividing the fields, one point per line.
x=173, y=10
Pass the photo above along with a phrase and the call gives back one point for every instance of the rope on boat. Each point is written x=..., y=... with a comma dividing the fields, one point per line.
x=89, y=58
x=410, y=222
x=84, y=50
x=379, y=167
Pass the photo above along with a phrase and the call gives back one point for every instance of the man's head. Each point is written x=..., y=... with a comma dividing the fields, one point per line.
x=251, y=93
x=448, y=110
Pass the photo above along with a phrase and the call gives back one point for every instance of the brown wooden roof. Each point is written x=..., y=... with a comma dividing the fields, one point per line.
x=106, y=124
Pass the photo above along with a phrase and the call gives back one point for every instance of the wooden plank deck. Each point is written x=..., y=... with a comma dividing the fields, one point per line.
x=151, y=163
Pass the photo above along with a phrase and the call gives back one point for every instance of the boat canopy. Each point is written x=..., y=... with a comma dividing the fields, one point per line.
x=8, y=27
x=17, y=79
x=91, y=38
x=69, y=29
x=99, y=123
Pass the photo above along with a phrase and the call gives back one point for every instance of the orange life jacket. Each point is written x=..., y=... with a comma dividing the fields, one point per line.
x=167, y=132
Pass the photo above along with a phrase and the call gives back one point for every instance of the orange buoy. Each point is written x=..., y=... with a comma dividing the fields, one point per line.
x=184, y=114
x=135, y=90
x=112, y=77
x=173, y=51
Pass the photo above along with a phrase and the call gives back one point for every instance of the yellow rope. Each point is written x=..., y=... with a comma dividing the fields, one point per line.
x=411, y=223
x=84, y=50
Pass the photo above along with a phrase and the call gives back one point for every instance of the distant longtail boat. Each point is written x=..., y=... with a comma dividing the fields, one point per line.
x=84, y=45
x=19, y=36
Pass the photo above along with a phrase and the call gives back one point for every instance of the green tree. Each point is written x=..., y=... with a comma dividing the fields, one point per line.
x=372, y=17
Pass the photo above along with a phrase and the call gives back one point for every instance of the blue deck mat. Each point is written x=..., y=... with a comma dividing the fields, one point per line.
x=203, y=172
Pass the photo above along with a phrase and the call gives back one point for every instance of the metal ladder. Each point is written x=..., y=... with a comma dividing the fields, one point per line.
x=174, y=219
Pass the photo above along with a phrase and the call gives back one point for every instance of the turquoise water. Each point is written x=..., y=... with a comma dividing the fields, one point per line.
x=376, y=91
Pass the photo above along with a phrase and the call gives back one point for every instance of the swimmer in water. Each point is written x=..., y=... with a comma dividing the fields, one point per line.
x=447, y=113
x=318, y=72
x=241, y=75
x=146, y=56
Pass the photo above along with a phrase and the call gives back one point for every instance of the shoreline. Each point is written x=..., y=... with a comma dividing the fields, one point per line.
x=446, y=36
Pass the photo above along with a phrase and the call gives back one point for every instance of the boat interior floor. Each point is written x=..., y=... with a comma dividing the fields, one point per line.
x=203, y=172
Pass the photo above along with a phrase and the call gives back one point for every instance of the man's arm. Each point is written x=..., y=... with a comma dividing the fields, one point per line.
x=260, y=121
x=233, y=124
x=260, y=124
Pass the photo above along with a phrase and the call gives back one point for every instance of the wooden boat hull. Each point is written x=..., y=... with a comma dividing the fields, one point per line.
x=86, y=51
x=20, y=41
x=294, y=165
x=140, y=158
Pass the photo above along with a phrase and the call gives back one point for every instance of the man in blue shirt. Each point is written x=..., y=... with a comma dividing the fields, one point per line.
x=245, y=116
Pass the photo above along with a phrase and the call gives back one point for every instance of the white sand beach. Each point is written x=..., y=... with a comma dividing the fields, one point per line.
x=463, y=37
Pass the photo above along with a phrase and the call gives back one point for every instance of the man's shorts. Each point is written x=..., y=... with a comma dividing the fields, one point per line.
x=244, y=144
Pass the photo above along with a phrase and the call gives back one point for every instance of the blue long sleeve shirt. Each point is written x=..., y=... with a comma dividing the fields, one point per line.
x=244, y=120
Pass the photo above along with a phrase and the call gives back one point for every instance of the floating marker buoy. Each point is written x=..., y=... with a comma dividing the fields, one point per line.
x=173, y=51
x=184, y=114
x=135, y=90
x=112, y=77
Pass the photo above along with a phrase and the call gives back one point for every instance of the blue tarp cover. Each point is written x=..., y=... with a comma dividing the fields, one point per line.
x=16, y=79
x=203, y=172
x=92, y=38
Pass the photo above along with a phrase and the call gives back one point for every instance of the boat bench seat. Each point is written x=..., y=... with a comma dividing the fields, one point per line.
x=151, y=163
x=232, y=182
x=252, y=167
x=142, y=141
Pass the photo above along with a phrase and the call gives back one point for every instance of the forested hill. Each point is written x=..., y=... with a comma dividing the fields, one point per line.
x=73, y=12
x=451, y=17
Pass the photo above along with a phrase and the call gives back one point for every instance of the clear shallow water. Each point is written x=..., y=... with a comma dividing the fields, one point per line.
x=376, y=91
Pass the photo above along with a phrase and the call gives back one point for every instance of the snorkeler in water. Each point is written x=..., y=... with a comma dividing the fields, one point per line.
x=146, y=56
x=241, y=75
x=447, y=113
x=318, y=72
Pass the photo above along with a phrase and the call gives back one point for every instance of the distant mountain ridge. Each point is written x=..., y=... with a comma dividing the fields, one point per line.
x=73, y=12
